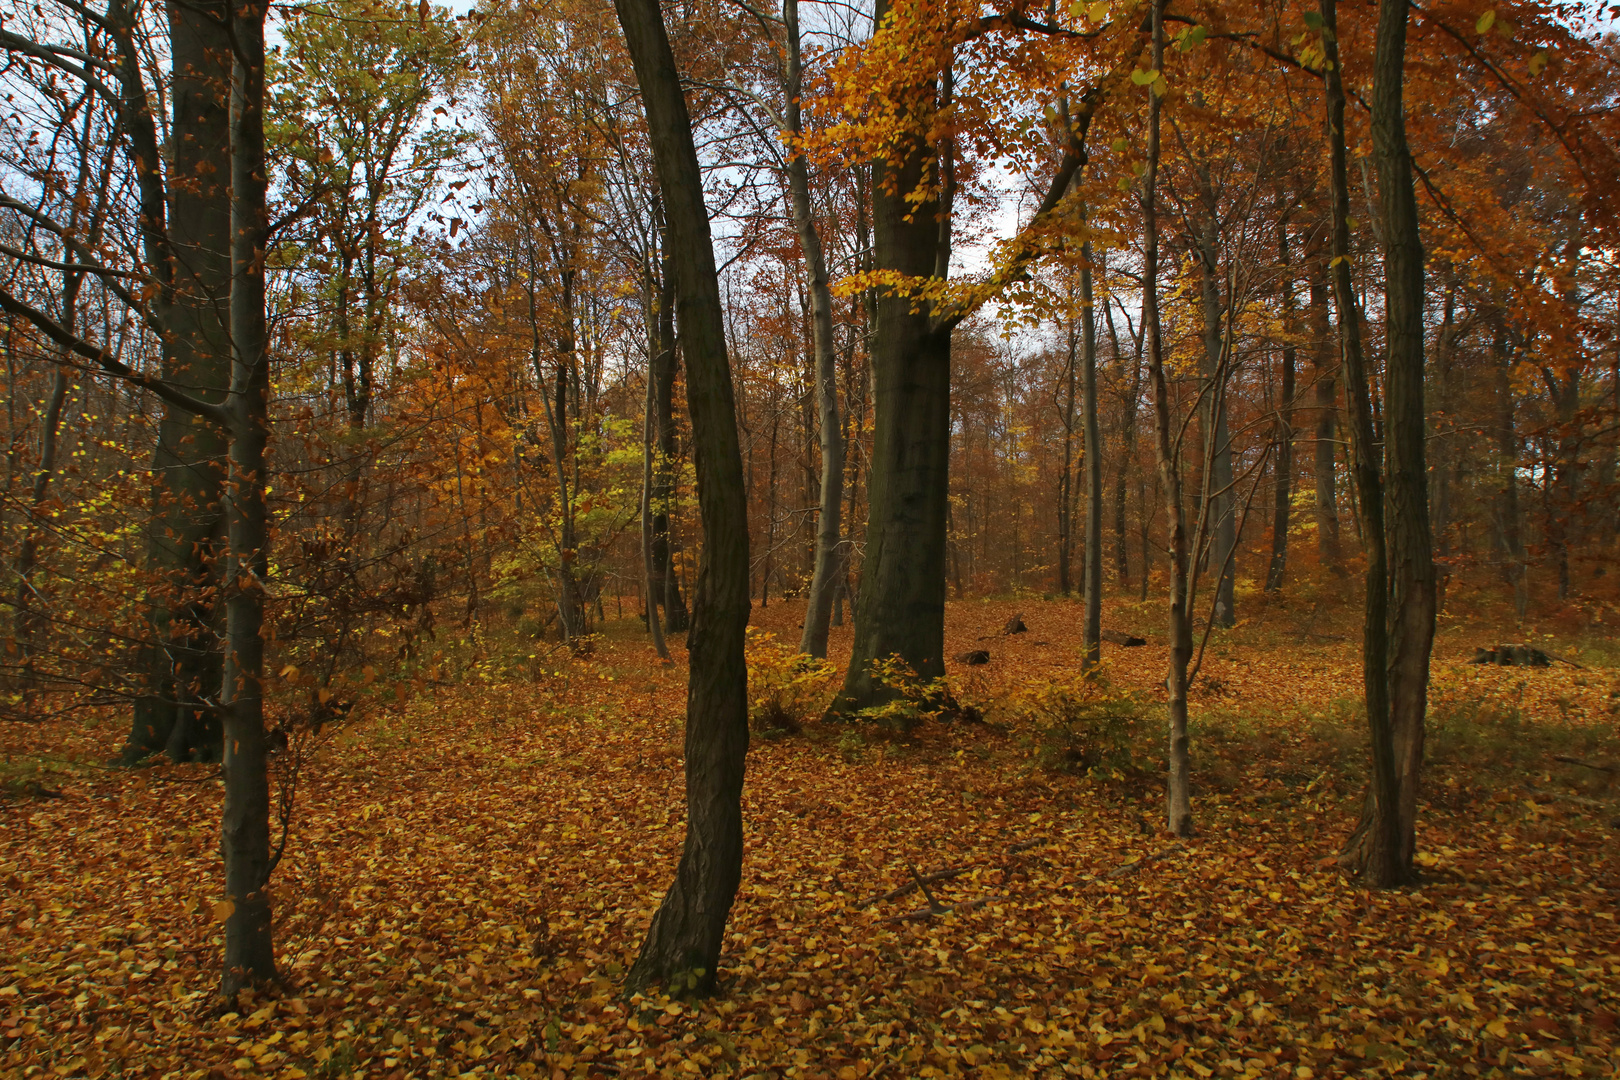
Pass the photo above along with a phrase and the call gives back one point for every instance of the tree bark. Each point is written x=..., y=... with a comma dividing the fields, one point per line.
x=1509, y=530
x=245, y=833
x=900, y=610
x=682, y=948
x=1411, y=545
x=667, y=583
x=1091, y=635
x=181, y=667
x=1324, y=370
x=1178, y=793
x=1219, y=500
x=1277, y=571
x=829, y=524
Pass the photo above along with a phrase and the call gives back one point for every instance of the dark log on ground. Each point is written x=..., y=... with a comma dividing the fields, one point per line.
x=1512, y=656
x=1015, y=625
x=1128, y=641
x=973, y=656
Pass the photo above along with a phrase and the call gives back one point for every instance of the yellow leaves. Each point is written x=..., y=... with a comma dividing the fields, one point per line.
x=1484, y=23
x=1153, y=79
x=221, y=910
x=1538, y=62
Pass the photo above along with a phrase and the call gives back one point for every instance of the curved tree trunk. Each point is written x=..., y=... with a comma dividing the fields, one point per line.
x=1411, y=544
x=682, y=948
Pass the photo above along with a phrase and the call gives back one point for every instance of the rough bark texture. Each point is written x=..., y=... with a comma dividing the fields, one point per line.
x=666, y=582
x=1411, y=545
x=245, y=832
x=682, y=948
x=829, y=525
x=181, y=666
x=900, y=610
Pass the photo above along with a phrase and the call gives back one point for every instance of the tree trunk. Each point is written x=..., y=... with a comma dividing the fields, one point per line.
x=1218, y=495
x=654, y=625
x=1065, y=500
x=682, y=948
x=1411, y=545
x=245, y=835
x=1278, y=568
x=180, y=668
x=829, y=523
x=1091, y=635
x=1509, y=530
x=1178, y=794
x=666, y=583
x=900, y=610
x=1324, y=369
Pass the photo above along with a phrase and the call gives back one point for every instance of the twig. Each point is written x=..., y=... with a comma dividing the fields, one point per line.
x=930, y=912
x=1598, y=765
x=946, y=874
x=1136, y=864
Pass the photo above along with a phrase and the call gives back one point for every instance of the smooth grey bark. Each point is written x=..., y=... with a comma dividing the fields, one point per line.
x=900, y=609
x=683, y=944
x=829, y=525
x=245, y=833
x=1167, y=450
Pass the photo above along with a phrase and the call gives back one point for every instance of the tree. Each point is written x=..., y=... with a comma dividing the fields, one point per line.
x=682, y=948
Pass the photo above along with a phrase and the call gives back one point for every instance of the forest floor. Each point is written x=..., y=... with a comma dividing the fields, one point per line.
x=469, y=874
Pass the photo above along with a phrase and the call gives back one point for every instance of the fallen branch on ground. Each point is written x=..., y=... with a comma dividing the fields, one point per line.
x=1136, y=864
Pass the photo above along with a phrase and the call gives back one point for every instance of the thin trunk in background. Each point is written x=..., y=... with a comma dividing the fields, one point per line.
x=1277, y=571
x=1324, y=370
x=829, y=523
x=1092, y=632
x=1178, y=793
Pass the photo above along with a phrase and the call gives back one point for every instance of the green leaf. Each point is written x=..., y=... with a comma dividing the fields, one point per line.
x=1313, y=19
x=1538, y=62
x=1120, y=145
x=1486, y=21
x=1124, y=183
x=1160, y=85
x=1098, y=12
x=1142, y=78
x=1352, y=222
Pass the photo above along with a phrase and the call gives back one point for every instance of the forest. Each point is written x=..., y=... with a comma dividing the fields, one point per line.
x=816, y=538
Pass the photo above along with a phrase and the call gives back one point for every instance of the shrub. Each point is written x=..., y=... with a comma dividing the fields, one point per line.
x=1087, y=726
x=785, y=687
x=914, y=700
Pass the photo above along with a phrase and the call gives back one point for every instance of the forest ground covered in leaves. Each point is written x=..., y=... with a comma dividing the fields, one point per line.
x=469, y=872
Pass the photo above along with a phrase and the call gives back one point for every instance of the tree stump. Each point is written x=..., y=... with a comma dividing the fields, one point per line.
x=972, y=657
x=1015, y=625
x=1125, y=641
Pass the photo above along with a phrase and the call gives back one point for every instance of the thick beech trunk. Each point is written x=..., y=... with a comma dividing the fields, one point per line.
x=180, y=668
x=245, y=833
x=682, y=948
x=900, y=610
